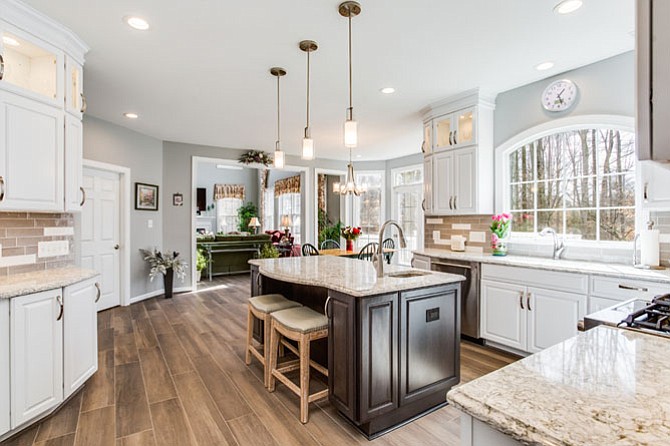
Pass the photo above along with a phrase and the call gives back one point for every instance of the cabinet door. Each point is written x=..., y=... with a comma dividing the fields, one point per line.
x=428, y=185
x=4, y=367
x=427, y=145
x=429, y=342
x=444, y=132
x=465, y=132
x=503, y=314
x=655, y=184
x=74, y=154
x=465, y=180
x=30, y=132
x=443, y=180
x=342, y=382
x=80, y=334
x=378, y=355
x=74, y=87
x=552, y=317
x=660, y=75
x=36, y=354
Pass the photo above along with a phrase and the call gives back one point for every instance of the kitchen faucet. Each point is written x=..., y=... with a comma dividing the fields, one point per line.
x=380, y=250
x=559, y=245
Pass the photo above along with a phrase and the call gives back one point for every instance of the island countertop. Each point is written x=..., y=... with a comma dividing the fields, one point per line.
x=354, y=277
x=606, y=386
x=34, y=282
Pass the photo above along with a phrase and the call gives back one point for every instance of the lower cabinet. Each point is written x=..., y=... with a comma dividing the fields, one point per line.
x=4, y=366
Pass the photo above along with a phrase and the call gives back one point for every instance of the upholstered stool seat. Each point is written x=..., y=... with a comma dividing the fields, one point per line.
x=261, y=307
x=302, y=325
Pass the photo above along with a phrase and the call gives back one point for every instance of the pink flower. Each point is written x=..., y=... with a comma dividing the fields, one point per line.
x=494, y=238
x=507, y=216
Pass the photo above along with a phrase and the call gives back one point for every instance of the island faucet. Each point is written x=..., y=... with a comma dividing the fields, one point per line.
x=559, y=245
x=380, y=250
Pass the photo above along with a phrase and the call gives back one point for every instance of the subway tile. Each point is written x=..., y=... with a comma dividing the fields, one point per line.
x=25, y=232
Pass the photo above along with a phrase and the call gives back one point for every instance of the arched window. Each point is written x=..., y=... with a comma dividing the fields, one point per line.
x=579, y=181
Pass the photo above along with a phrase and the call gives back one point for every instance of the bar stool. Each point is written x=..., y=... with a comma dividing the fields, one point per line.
x=261, y=307
x=302, y=325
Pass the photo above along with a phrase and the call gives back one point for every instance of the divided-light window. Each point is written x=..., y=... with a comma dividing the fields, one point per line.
x=579, y=182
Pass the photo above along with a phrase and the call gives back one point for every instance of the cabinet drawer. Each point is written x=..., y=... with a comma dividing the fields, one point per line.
x=624, y=289
x=553, y=280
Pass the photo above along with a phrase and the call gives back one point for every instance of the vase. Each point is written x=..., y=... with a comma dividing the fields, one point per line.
x=350, y=245
x=499, y=244
x=168, y=279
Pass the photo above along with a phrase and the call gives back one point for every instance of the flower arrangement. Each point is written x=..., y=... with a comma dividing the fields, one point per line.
x=162, y=263
x=501, y=228
x=255, y=157
x=351, y=232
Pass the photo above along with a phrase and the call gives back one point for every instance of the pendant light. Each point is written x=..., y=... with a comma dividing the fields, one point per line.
x=279, y=154
x=349, y=187
x=308, y=46
x=350, y=9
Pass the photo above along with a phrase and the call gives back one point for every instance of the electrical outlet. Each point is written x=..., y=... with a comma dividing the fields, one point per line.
x=53, y=249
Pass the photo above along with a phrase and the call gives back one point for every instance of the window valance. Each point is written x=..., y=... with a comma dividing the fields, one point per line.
x=222, y=191
x=289, y=185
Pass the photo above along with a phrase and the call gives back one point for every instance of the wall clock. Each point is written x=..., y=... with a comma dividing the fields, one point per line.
x=559, y=96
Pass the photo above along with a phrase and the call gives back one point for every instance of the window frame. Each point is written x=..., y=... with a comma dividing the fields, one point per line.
x=502, y=167
x=395, y=189
x=353, y=204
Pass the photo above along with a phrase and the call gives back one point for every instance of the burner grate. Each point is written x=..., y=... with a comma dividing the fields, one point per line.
x=656, y=316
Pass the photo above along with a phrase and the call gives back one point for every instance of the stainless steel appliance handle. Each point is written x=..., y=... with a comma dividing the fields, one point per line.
x=633, y=288
x=453, y=265
x=59, y=299
x=521, y=300
x=99, y=293
x=325, y=307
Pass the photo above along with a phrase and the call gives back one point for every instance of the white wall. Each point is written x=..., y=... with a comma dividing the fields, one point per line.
x=143, y=155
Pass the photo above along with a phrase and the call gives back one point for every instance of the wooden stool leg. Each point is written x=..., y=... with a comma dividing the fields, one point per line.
x=250, y=333
x=267, y=328
x=272, y=363
x=304, y=379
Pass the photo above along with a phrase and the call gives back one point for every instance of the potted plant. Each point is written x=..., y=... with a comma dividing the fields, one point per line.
x=501, y=229
x=166, y=264
x=201, y=263
x=350, y=234
x=245, y=213
x=268, y=251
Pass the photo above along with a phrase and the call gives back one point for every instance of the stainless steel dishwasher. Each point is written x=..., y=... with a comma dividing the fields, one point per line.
x=469, y=293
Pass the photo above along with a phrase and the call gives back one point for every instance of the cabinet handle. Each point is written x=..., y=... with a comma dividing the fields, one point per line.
x=2, y=188
x=84, y=104
x=2, y=67
x=455, y=141
x=258, y=280
x=450, y=141
x=423, y=205
x=645, y=194
x=83, y=196
x=99, y=293
x=59, y=299
x=521, y=300
x=451, y=202
x=455, y=201
x=411, y=262
x=633, y=288
x=528, y=297
x=325, y=307
x=423, y=147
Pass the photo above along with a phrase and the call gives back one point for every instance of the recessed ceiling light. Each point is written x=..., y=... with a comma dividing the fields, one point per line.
x=136, y=22
x=544, y=66
x=131, y=115
x=10, y=41
x=568, y=6
x=359, y=156
x=388, y=90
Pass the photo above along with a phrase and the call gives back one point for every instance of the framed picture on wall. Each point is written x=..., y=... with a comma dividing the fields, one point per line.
x=146, y=197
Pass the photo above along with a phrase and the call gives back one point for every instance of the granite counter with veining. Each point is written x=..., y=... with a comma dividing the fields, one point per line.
x=351, y=276
x=606, y=386
x=34, y=282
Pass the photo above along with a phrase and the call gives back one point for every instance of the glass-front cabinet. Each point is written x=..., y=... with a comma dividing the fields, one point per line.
x=444, y=130
x=30, y=66
x=464, y=132
x=75, y=101
x=427, y=145
x=456, y=129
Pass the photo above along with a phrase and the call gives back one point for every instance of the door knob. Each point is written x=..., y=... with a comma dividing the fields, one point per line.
x=116, y=246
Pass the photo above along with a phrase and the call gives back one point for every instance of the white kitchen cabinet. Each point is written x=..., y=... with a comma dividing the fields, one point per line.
x=427, y=144
x=36, y=354
x=75, y=102
x=74, y=154
x=454, y=182
x=31, y=155
x=503, y=314
x=5, y=423
x=80, y=334
x=421, y=262
x=655, y=184
x=443, y=183
x=552, y=317
x=428, y=185
x=457, y=129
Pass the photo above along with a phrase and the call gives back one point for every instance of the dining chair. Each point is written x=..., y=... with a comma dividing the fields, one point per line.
x=309, y=250
x=390, y=245
x=330, y=244
x=368, y=251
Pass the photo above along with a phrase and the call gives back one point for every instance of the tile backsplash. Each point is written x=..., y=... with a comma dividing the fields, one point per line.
x=475, y=228
x=20, y=234
x=662, y=221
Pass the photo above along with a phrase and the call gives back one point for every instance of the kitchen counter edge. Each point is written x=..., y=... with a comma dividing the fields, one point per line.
x=22, y=284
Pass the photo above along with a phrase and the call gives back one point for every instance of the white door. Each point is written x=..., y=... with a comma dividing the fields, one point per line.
x=36, y=354
x=503, y=314
x=4, y=366
x=552, y=317
x=100, y=234
x=31, y=154
x=80, y=334
x=443, y=180
x=465, y=180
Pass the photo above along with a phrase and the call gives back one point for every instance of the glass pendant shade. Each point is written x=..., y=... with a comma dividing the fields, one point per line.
x=350, y=133
x=336, y=187
x=307, y=149
x=279, y=159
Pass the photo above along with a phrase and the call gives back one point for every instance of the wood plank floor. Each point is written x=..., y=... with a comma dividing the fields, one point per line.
x=171, y=372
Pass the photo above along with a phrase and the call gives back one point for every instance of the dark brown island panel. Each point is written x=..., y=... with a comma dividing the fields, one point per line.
x=391, y=357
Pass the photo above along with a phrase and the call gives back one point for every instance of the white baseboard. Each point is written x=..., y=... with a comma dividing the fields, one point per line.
x=155, y=293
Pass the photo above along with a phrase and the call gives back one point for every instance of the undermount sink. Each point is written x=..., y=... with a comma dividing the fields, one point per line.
x=407, y=274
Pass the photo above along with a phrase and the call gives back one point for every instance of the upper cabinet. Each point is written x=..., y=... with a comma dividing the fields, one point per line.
x=41, y=106
x=458, y=155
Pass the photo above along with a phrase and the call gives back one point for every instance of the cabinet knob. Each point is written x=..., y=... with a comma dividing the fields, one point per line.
x=59, y=299
x=116, y=246
x=2, y=67
x=99, y=293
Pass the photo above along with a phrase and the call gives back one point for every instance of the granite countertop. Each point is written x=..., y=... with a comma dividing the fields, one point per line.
x=34, y=282
x=606, y=386
x=350, y=276
x=570, y=266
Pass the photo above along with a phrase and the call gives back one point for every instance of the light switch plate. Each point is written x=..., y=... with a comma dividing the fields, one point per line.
x=150, y=224
x=53, y=249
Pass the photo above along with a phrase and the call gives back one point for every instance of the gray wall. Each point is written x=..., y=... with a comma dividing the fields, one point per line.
x=605, y=87
x=143, y=155
x=209, y=175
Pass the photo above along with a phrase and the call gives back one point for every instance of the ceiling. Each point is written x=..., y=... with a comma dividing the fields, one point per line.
x=200, y=74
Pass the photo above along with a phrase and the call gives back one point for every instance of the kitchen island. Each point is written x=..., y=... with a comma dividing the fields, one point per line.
x=607, y=386
x=393, y=342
